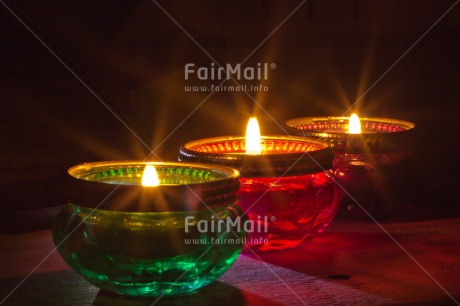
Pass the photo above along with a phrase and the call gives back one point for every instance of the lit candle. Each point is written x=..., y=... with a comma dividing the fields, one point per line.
x=253, y=137
x=354, y=125
x=354, y=134
x=130, y=226
x=280, y=184
x=371, y=157
x=150, y=177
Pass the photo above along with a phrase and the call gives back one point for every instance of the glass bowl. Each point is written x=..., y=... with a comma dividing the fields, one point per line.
x=376, y=167
x=142, y=241
x=289, y=194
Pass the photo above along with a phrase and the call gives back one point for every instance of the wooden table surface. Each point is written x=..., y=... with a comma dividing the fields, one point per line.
x=352, y=263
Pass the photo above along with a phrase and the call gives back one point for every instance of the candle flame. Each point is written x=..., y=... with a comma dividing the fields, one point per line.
x=253, y=137
x=354, y=125
x=150, y=177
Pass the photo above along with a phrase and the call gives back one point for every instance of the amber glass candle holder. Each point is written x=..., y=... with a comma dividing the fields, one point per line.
x=287, y=194
x=374, y=166
x=146, y=241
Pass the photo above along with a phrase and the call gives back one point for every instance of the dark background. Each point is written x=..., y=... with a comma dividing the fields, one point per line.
x=132, y=56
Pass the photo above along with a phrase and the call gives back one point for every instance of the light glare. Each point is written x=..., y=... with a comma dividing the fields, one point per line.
x=150, y=177
x=253, y=137
x=354, y=125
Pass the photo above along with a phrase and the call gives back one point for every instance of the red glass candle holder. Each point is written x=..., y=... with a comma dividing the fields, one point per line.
x=374, y=166
x=286, y=193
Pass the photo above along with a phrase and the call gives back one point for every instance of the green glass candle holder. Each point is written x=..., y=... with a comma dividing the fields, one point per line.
x=149, y=241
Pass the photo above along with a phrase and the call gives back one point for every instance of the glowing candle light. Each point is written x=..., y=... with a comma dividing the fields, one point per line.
x=253, y=137
x=136, y=227
x=150, y=177
x=354, y=125
x=371, y=156
x=278, y=181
